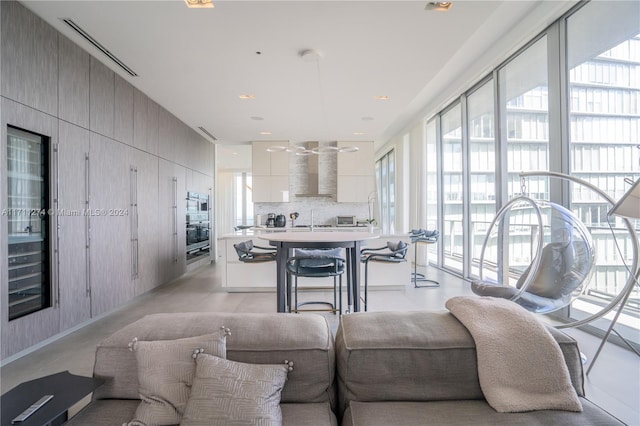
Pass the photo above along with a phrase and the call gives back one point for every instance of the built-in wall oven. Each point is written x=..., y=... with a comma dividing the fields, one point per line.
x=198, y=226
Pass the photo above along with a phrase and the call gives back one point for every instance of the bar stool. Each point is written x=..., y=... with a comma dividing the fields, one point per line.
x=316, y=263
x=426, y=237
x=246, y=252
x=393, y=252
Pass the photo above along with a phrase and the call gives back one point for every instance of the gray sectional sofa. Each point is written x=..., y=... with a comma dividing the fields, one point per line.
x=386, y=368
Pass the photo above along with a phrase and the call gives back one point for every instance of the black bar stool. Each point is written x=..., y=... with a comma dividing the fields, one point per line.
x=393, y=252
x=426, y=237
x=246, y=252
x=316, y=263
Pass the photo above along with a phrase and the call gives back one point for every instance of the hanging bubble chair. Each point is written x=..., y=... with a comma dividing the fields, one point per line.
x=541, y=256
x=537, y=254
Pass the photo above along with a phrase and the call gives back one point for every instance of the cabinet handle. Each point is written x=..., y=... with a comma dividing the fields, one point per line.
x=175, y=219
x=135, y=218
x=133, y=206
x=55, y=227
x=87, y=222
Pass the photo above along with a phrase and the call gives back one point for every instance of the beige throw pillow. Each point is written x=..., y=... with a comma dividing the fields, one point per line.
x=234, y=393
x=165, y=374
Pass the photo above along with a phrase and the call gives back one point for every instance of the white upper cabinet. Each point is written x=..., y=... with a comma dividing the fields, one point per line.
x=355, y=172
x=270, y=172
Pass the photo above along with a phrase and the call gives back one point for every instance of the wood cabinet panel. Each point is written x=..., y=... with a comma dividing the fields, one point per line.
x=168, y=134
x=123, y=111
x=73, y=83
x=102, y=99
x=172, y=220
x=110, y=273
x=29, y=47
x=146, y=248
x=145, y=117
x=75, y=300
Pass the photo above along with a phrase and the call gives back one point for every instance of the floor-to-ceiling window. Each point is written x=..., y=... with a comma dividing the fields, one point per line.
x=386, y=182
x=482, y=167
x=524, y=106
x=603, y=72
x=451, y=238
x=568, y=102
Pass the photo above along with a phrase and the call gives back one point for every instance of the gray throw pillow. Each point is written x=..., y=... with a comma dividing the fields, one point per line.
x=226, y=392
x=165, y=374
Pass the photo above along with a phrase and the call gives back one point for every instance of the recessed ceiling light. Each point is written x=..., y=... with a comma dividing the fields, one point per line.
x=256, y=118
x=367, y=118
x=381, y=98
x=247, y=96
x=265, y=132
x=199, y=4
x=440, y=6
x=358, y=133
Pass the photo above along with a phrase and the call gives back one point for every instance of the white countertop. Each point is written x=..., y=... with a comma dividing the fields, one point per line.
x=318, y=237
x=260, y=231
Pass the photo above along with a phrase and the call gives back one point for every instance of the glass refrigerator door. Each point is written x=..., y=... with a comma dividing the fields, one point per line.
x=27, y=205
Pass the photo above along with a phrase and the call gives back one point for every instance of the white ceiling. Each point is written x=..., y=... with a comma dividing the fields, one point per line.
x=196, y=62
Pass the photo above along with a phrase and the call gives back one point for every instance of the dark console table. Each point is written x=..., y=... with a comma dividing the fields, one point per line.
x=66, y=388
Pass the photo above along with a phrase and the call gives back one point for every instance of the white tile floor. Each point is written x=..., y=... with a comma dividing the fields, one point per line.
x=613, y=384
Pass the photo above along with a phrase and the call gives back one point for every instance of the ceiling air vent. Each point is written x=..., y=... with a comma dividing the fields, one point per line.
x=98, y=46
x=206, y=132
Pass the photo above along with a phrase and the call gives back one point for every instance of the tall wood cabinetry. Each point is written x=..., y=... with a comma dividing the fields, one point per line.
x=171, y=213
x=269, y=172
x=109, y=189
x=118, y=180
x=356, y=179
x=73, y=224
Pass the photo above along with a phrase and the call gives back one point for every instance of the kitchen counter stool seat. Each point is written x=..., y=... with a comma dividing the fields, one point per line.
x=316, y=263
x=393, y=252
x=426, y=237
x=247, y=253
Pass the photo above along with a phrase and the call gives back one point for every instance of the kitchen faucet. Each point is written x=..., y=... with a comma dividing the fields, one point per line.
x=311, y=220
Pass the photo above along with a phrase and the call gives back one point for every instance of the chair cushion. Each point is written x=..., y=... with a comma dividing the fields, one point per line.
x=316, y=262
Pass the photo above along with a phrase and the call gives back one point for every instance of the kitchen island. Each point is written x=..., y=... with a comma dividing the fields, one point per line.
x=237, y=276
x=351, y=242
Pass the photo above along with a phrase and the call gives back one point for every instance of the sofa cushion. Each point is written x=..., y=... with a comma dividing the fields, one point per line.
x=311, y=414
x=416, y=356
x=228, y=392
x=254, y=339
x=467, y=412
x=105, y=412
x=115, y=412
x=165, y=374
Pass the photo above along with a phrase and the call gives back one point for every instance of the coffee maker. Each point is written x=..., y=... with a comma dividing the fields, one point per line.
x=271, y=220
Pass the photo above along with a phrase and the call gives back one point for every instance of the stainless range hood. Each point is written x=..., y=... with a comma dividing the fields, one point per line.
x=315, y=174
